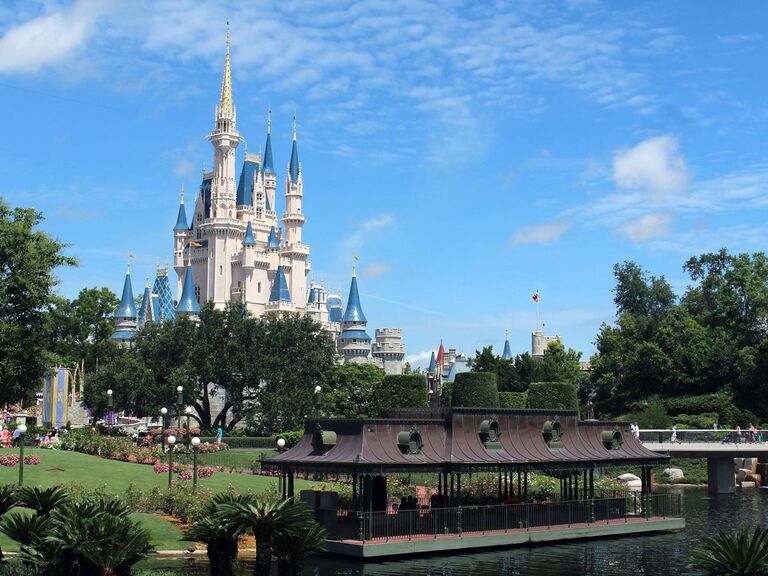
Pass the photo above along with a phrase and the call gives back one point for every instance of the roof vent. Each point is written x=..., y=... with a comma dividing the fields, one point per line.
x=612, y=439
x=552, y=434
x=322, y=440
x=490, y=433
x=410, y=443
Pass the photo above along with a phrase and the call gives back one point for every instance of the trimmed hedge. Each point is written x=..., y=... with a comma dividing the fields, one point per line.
x=555, y=395
x=720, y=403
x=513, y=399
x=401, y=391
x=475, y=389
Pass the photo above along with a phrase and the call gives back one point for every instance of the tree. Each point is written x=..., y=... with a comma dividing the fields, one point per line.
x=640, y=294
x=558, y=365
x=401, y=391
x=132, y=384
x=348, y=390
x=28, y=258
x=506, y=372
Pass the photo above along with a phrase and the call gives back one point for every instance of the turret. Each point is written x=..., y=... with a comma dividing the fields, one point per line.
x=354, y=343
x=268, y=168
x=125, y=318
x=181, y=236
x=507, y=354
x=280, y=295
x=293, y=219
x=188, y=304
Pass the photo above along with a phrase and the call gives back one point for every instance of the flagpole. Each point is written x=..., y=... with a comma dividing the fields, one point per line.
x=538, y=311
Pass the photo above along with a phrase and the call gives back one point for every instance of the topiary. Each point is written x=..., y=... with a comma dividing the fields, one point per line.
x=553, y=395
x=513, y=399
x=401, y=391
x=476, y=389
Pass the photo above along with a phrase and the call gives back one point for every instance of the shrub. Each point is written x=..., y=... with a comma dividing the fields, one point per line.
x=554, y=395
x=720, y=403
x=731, y=554
x=513, y=399
x=477, y=389
x=446, y=393
x=401, y=391
x=291, y=438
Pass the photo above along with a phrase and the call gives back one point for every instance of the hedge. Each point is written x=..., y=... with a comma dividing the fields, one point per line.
x=513, y=399
x=720, y=403
x=401, y=391
x=476, y=389
x=555, y=395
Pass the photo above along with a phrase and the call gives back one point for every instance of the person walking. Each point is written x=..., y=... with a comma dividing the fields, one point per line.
x=674, y=433
x=737, y=435
x=219, y=435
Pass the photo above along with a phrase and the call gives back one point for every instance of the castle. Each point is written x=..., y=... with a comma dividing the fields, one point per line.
x=234, y=250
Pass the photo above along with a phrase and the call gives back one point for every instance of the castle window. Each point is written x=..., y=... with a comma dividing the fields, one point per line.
x=200, y=217
x=258, y=287
x=221, y=270
x=197, y=293
x=198, y=234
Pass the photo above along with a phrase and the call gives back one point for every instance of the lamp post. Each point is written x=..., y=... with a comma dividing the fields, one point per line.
x=22, y=429
x=109, y=409
x=188, y=413
x=318, y=389
x=195, y=444
x=171, y=442
x=163, y=414
x=280, y=444
x=179, y=402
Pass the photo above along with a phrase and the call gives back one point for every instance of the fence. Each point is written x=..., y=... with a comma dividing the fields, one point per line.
x=689, y=435
x=426, y=523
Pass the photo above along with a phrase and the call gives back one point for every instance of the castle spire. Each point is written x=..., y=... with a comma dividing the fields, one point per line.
x=268, y=164
x=127, y=304
x=225, y=104
x=294, y=165
x=507, y=354
x=188, y=302
x=181, y=219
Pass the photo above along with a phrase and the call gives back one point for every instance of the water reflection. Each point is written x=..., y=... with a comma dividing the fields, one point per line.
x=654, y=555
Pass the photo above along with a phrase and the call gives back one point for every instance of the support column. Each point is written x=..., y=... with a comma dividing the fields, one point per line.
x=525, y=486
x=458, y=489
x=452, y=497
x=354, y=491
x=721, y=478
x=501, y=493
x=291, y=493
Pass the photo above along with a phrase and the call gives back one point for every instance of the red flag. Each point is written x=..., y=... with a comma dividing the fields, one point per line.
x=535, y=297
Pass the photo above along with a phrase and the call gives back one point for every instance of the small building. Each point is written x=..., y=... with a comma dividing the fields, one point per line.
x=451, y=445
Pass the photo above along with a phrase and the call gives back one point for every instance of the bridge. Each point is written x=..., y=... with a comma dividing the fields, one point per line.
x=719, y=447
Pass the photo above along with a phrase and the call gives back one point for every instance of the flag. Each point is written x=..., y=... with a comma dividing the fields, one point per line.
x=195, y=244
x=131, y=255
x=356, y=257
x=535, y=297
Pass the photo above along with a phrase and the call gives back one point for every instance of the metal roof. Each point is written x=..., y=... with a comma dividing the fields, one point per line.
x=354, y=311
x=188, y=302
x=248, y=239
x=127, y=307
x=181, y=219
x=272, y=240
x=280, y=292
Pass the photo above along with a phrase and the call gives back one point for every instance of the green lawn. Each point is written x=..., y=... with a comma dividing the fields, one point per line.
x=61, y=467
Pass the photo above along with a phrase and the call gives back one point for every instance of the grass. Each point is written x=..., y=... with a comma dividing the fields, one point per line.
x=62, y=467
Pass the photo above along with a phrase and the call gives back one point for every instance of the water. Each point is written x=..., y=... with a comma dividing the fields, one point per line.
x=663, y=554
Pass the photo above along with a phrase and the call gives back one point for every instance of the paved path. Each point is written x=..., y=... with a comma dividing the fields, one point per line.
x=710, y=449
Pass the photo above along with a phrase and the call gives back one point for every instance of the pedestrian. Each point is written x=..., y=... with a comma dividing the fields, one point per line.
x=219, y=435
x=715, y=426
x=674, y=433
x=637, y=431
x=16, y=436
x=737, y=435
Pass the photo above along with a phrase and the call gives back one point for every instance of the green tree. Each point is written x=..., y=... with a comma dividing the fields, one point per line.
x=558, y=365
x=348, y=390
x=132, y=384
x=639, y=294
x=400, y=391
x=506, y=372
x=28, y=258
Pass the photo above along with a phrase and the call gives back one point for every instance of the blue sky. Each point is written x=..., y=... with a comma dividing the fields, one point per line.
x=470, y=153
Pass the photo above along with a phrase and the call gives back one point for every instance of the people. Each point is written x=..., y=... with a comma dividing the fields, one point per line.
x=219, y=435
x=674, y=433
x=16, y=436
x=4, y=436
x=737, y=435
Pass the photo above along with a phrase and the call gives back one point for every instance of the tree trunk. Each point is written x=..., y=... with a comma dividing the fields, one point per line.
x=298, y=565
x=284, y=568
x=263, y=556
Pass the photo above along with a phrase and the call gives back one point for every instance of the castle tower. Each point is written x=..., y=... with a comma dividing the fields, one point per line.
x=389, y=350
x=507, y=354
x=223, y=230
x=161, y=287
x=268, y=168
x=353, y=343
x=149, y=310
x=181, y=237
x=126, y=326
x=293, y=219
x=280, y=295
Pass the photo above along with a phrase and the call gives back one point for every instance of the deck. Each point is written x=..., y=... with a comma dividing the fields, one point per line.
x=427, y=544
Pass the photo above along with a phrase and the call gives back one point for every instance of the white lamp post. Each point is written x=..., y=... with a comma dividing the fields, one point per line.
x=195, y=444
x=171, y=442
x=22, y=429
x=179, y=402
x=318, y=389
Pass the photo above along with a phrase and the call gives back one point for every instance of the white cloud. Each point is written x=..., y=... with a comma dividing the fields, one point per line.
x=377, y=223
x=648, y=226
x=376, y=269
x=546, y=233
x=184, y=167
x=654, y=165
x=419, y=358
x=49, y=39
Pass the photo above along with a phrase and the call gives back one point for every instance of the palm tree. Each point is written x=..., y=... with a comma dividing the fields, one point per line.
x=219, y=535
x=265, y=519
x=292, y=546
x=7, y=502
x=23, y=527
x=42, y=500
x=743, y=553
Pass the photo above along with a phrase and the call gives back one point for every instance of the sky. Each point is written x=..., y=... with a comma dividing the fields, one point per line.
x=470, y=153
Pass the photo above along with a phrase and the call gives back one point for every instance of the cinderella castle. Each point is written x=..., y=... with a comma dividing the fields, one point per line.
x=233, y=249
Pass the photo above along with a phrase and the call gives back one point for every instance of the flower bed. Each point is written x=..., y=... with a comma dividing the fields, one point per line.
x=11, y=460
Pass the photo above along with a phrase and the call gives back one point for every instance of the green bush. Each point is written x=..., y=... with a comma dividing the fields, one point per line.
x=700, y=421
x=554, y=395
x=476, y=389
x=513, y=399
x=445, y=394
x=401, y=391
x=720, y=403
x=291, y=438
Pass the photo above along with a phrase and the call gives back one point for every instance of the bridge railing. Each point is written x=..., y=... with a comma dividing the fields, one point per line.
x=689, y=435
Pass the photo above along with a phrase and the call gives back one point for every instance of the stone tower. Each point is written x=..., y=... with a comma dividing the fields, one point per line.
x=389, y=350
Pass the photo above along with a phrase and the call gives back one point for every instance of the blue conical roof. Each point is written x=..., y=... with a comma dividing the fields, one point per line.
x=188, y=303
x=272, y=240
x=268, y=166
x=127, y=305
x=245, y=184
x=145, y=310
x=294, y=166
x=249, y=240
x=280, y=292
x=162, y=288
x=181, y=219
x=354, y=312
x=432, y=364
x=507, y=354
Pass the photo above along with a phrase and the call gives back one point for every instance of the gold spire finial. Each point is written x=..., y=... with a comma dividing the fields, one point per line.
x=226, y=83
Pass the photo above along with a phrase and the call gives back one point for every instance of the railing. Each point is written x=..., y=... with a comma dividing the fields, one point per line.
x=432, y=523
x=688, y=435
